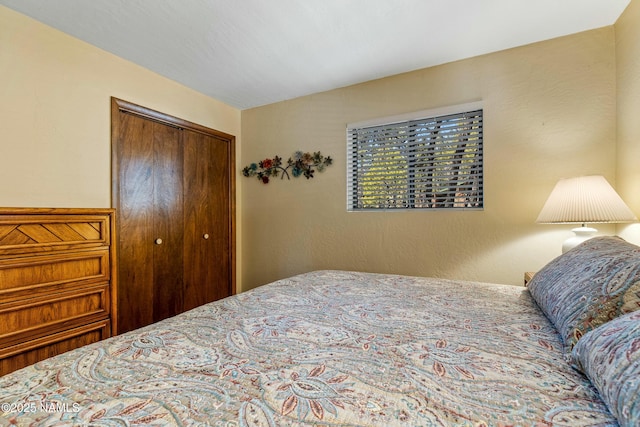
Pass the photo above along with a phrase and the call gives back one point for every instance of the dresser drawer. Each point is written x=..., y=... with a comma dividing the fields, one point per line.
x=47, y=314
x=21, y=277
x=31, y=234
x=26, y=353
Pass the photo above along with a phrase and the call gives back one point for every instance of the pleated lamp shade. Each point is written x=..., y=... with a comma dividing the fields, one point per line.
x=582, y=200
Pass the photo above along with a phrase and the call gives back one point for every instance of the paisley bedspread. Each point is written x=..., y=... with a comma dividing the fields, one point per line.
x=325, y=348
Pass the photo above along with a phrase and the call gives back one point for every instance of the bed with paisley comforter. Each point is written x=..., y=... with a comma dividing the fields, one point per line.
x=331, y=348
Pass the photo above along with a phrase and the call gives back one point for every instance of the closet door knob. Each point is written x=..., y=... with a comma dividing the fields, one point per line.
x=205, y=236
x=158, y=241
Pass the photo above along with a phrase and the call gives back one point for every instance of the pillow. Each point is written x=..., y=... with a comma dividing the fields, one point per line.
x=587, y=286
x=610, y=357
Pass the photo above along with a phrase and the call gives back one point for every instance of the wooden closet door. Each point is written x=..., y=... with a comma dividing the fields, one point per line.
x=151, y=255
x=206, y=201
x=173, y=189
x=135, y=158
x=168, y=222
x=222, y=220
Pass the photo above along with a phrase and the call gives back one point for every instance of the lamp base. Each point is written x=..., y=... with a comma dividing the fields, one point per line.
x=582, y=234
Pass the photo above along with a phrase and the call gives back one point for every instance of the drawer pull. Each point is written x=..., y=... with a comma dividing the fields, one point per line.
x=158, y=241
x=205, y=236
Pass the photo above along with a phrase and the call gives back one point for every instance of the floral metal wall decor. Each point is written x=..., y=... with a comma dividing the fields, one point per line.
x=300, y=164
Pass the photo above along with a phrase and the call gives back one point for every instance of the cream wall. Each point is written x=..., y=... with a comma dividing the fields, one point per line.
x=627, y=30
x=55, y=124
x=549, y=112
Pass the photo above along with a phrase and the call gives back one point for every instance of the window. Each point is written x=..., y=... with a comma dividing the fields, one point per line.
x=428, y=160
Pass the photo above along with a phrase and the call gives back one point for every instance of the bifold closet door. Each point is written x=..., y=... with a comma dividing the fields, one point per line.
x=150, y=258
x=173, y=190
x=206, y=213
x=168, y=222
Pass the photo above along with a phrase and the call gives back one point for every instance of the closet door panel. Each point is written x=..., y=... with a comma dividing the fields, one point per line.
x=135, y=211
x=220, y=213
x=168, y=286
x=198, y=265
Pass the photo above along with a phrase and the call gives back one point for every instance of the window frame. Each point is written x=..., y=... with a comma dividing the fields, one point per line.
x=439, y=115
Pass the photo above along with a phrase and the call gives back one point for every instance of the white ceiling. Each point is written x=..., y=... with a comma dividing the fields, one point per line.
x=248, y=53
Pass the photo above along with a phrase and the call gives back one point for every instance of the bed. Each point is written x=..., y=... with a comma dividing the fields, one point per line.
x=330, y=348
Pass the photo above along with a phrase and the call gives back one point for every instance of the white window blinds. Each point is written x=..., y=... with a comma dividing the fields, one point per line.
x=424, y=163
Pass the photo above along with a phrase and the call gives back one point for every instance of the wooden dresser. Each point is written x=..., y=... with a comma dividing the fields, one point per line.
x=57, y=282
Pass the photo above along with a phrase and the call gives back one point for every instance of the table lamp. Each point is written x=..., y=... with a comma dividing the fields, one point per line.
x=584, y=200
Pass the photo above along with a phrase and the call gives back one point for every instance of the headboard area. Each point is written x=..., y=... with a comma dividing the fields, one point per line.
x=57, y=281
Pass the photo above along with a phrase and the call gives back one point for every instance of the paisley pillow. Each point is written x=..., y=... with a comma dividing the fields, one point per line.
x=587, y=286
x=610, y=357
